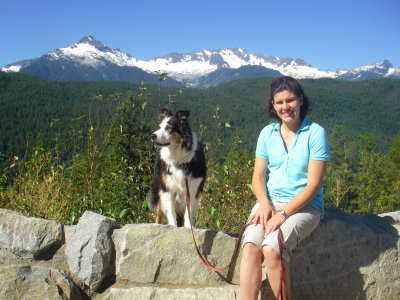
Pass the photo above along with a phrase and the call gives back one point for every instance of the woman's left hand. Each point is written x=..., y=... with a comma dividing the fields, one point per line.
x=274, y=223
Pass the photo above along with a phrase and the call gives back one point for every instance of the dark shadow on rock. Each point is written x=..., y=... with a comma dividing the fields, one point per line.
x=48, y=254
x=110, y=279
x=209, y=236
x=206, y=249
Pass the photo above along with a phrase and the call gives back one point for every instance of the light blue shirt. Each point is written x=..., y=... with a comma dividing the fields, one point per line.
x=287, y=170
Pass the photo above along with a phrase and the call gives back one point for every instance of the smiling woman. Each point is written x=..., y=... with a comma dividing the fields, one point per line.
x=286, y=90
x=287, y=106
x=293, y=152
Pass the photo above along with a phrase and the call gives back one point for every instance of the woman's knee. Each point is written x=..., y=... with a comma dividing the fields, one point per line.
x=251, y=253
x=271, y=257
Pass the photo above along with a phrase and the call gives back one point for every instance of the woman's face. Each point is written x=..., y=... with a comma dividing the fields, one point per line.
x=287, y=106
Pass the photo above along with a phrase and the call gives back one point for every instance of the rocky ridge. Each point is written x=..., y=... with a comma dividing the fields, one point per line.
x=347, y=257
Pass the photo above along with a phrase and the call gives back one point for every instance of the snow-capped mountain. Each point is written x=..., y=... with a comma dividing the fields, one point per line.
x=194, y=65
x=89, y=51
x=198, y=67
x=378, y=70
x=89, y=59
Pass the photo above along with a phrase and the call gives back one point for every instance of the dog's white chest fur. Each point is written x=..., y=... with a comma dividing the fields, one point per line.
x=175, y=180
x=175, y=155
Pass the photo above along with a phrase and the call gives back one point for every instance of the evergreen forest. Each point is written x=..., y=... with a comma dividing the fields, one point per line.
x=67, y=147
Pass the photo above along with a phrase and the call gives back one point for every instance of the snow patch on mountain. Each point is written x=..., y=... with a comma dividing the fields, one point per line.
x=12, y=68
x=392, y=72
x=17, y=66
x=182, y=70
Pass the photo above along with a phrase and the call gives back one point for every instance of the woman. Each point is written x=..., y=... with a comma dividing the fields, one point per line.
x=292, y=152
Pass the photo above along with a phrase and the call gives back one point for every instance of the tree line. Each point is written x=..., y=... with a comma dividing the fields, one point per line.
x=92, y=150
x=32, y=107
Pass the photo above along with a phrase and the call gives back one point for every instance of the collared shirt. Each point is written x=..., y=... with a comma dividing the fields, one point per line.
x=287, y=169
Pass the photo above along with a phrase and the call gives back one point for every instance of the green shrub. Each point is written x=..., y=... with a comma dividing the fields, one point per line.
x=227, y=197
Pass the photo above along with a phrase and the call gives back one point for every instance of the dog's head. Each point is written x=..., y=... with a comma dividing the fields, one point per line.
x=173, y=130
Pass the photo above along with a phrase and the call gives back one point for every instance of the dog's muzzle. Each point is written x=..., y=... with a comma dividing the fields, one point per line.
x=154, y=139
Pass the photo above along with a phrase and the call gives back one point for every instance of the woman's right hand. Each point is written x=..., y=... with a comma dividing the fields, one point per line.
x=262, y=214
x=264, y=210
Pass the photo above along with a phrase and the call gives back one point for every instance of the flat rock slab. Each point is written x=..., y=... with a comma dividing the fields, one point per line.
x=156, y=293
x=152, y=253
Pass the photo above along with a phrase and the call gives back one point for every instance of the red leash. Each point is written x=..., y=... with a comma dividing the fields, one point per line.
x=280, y=243
x=194, y=240
x=280, y=291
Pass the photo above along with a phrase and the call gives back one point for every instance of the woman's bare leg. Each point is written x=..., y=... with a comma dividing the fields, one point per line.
x=273, y=269
x=250, y=272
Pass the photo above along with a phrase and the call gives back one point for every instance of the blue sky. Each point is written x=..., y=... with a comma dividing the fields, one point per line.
x=326, y=34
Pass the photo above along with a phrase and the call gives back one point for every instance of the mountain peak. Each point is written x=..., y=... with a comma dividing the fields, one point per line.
x=386, y=64
x=86, y=40
x=95, y=43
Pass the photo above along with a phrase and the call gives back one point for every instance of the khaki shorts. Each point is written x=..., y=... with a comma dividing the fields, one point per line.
x=294, y=229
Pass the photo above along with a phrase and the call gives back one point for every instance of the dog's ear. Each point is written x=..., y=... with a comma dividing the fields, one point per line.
x=182, y=114
x=182, y=117
x=164, y=113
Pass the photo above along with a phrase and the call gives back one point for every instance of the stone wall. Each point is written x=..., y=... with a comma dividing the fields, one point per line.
x=347, y=257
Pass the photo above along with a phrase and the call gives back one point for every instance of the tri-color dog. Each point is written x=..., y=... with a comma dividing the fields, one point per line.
x=179, y=156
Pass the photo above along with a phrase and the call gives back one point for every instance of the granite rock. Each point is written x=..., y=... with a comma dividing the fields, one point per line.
x=27, y=237
x=90, y=251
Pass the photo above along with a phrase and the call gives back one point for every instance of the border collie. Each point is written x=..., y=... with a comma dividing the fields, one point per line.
x=179, y=156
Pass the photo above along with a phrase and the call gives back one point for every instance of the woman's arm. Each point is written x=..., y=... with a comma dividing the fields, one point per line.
x=264, y=211
x=316, y=169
